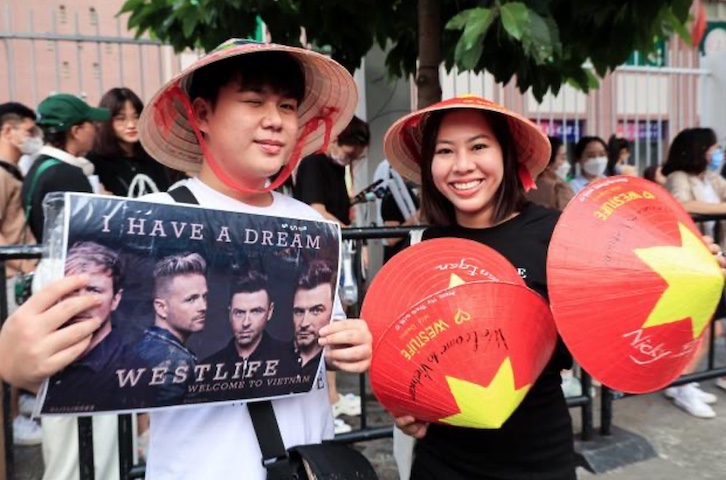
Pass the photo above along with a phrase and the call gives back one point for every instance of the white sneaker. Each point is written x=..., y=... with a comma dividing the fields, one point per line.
x=688, y=399
x=26, y=404
x=26, y=432
x=341, y=426
x=347, y=404
x=721, y=383
x=705, y=397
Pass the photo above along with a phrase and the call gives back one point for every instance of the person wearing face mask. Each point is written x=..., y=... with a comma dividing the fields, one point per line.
x=592, y=158
x=18, y=136
x=692, y=177
x=552, y=190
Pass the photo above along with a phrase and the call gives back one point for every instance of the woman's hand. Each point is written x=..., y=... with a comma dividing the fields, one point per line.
x=412, y=427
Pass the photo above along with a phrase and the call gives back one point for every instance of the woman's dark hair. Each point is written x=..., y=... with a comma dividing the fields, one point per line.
x=278, y=70
x=582, y=145
x=555, y=143
x=615, y=144
x=650, y=172
x=687, y=153
x=107, y=143
x=509, y=197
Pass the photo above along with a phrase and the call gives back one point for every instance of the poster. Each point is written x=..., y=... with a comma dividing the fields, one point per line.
x=198, y=305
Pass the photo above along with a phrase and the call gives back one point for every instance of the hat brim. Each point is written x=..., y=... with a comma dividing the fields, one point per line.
x=99, y=114
x=167, y=135
x=403, y=140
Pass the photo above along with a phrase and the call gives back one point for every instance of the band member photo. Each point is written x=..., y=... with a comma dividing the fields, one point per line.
x=180, y=309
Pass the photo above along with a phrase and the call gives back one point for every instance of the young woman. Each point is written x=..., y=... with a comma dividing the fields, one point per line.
x=474, y=160
x=591, y=155
x=122, y=165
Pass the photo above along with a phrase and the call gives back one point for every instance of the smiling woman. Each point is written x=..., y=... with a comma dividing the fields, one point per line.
x=475, y=159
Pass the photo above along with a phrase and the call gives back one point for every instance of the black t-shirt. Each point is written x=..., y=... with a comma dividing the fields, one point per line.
x=117, y=173
x=536, y=441
x=320, y=180
x=61, y=177
x=391, y=213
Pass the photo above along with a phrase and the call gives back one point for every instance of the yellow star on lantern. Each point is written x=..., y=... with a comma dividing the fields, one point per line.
x=486, y=407
x=694, y=279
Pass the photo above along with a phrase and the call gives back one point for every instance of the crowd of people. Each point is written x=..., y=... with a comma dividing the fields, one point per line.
x=253, y=119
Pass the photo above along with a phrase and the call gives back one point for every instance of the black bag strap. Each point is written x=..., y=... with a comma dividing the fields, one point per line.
x=182, y=194
x=274, y=456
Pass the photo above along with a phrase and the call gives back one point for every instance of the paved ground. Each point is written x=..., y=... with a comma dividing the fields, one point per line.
x=687, y=448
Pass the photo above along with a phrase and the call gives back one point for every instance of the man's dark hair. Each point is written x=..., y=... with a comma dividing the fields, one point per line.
x=279, y=71
x=252, y=281
x=317, y=273
x=356, y=134
x=15, y=112
x=84, y=255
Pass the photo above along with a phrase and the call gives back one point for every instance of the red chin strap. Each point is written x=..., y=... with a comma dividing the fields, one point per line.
x=526, y=178
x=310, y=127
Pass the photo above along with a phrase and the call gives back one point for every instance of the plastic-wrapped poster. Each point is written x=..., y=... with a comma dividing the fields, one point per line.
x=197, y=305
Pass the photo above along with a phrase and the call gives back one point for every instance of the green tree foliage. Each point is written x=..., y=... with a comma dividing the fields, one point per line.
x=540, y=43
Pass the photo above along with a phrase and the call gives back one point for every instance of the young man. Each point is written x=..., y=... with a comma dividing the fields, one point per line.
x=18, y=136
x=180, y=310
x=249, y=106
x=263, y=356
x=68, y=128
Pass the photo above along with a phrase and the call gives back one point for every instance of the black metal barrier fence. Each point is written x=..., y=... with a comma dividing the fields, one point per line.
x=125, y=428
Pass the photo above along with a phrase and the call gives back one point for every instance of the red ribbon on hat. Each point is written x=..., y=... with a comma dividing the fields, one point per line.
x=310, y=127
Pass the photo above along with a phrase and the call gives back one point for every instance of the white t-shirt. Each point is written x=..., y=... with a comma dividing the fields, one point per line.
x=219, y=442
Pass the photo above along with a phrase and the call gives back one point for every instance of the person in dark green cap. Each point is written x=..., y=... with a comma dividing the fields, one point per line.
x=68, y=129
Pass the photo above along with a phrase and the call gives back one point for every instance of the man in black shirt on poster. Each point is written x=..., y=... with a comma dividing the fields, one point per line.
x=312, y=309
x=262, y=356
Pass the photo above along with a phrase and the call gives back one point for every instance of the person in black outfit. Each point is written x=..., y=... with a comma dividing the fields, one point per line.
x=473, y=172
x=117, y=154
x=260, y=355
x=90, y=383
x=392, y=217
x=320, y=179
x=68, y=131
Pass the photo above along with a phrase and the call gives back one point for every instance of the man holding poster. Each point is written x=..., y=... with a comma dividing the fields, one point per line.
x=235, y=118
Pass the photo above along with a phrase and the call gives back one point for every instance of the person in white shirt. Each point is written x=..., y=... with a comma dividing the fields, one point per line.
x=236, y=117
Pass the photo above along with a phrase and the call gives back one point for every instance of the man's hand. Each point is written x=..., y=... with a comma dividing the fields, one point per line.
x=33, y=346
x=349, y=345
x=411, y=427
